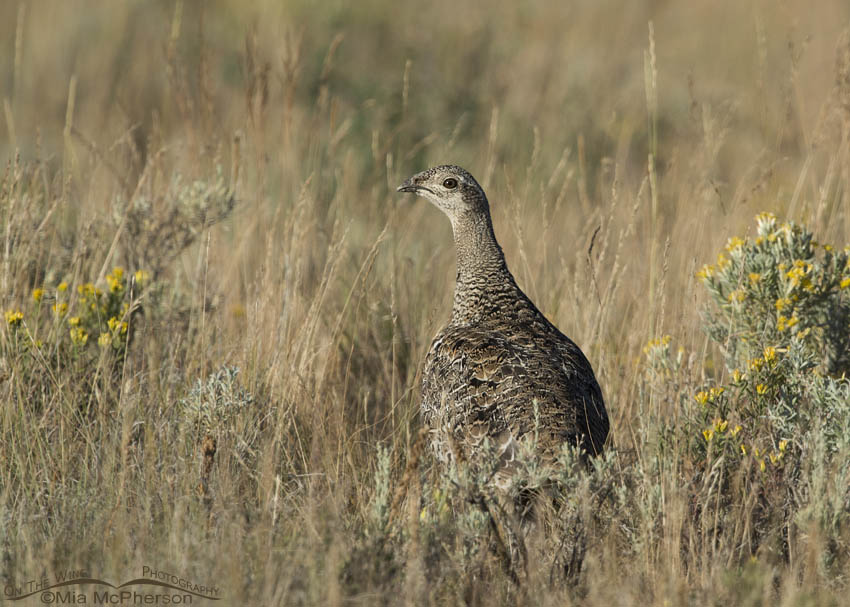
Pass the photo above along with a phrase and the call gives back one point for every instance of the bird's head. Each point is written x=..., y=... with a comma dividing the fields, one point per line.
x=449, y=188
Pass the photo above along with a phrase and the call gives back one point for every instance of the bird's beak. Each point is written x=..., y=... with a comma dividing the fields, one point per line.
x=413, y=187
x=408, y=186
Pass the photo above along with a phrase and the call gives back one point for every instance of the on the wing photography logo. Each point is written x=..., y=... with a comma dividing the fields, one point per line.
x=79, y=587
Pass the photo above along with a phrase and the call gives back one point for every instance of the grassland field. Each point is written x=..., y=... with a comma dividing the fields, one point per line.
x=216, y=304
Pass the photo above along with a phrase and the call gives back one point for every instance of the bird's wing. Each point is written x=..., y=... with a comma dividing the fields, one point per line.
x=481, y=383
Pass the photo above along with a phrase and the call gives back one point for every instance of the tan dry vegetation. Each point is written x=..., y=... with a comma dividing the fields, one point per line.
x=620, y=146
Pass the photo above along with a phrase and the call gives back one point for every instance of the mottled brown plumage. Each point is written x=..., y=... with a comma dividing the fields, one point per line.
x=499, y=369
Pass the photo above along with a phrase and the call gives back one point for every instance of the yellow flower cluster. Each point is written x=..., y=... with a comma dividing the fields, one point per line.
x=755, y=364
x=718, y=427
x=142, y=277
x=658, y=342
x=737, y=295
x=116, y=325
x=115, y=280
x=783, y=323
x=782, y=303
x=766, y=222
x=38, y=294
x=703, y=397
x=14, y=317
x=89, y=295
x=768, y=358
x=799, y=274
x=734, y=243
x=770, y=355
x=88, y=291
x=79, y=336
x=774, y=457
x=706, y=272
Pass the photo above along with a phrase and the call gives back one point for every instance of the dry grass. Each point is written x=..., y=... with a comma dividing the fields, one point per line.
x=248, y=157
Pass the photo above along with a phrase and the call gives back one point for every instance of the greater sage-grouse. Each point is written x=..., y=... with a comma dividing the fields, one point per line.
x=499, y=369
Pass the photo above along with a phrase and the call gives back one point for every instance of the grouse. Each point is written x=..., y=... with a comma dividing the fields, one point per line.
x=499, y=370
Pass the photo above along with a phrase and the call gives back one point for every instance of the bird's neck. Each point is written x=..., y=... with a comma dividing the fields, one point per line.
x=483, y=280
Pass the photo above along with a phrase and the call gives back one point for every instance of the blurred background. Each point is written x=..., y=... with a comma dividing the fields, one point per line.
x=735, y=104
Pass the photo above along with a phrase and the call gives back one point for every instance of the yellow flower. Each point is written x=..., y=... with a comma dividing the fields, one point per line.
x=142, y=277
x=756, y=364
x=827, y=248
x=74, y=321
x=761, y=388
x=722, y=261
x=783, y=323
x=761, y=465
x=766, y=221
x=781, y=303
x=783, y=444
x=773, y=458
x=734, y=243
x=845, y=283
x=770, y=354
x=737, y=376
x=115, y=286
x=743, y=450
x=63, y=286
x=112, y=323
x=701, y=397
x=657, y=342
x=61, y=308
x=795, y=275
x=720, y=425
x=116, y=280
x=754, y=277
x=736, y=295
x=708, y=434
x=14, y=317
x=105, y=340
x=735, y=431
x=79, y=336
x=38, y=294
x=707, y=271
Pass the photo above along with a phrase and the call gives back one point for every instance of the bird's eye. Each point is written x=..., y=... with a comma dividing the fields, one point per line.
x=450, y=183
